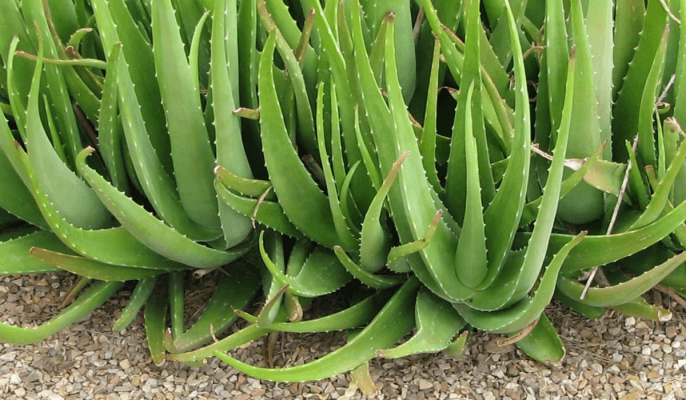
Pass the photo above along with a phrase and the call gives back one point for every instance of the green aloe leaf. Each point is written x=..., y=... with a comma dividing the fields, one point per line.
x=155, y=323
x=437, y=323
x=623, y=292
x=224, y=85
x=584, y=203
x=192, y=155
x=151, y=231
x=15, y=257
x=375, y=242
x=237, y=286
x=321, y=273
x=626, y=111
x=267, y=213
x=363, y=275
x=92, y=269
x=542, y=343
x=471, y=263
x=302, y=201
x=244, y=186
x=116, y=25
x=390, y=324
x=94, y=297
x=139, y=297
x=352, y=317
x=59, y=183
x=640, y=308
x=527, y=310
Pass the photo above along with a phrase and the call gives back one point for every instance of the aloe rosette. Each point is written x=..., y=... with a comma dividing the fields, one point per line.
x=393, y=149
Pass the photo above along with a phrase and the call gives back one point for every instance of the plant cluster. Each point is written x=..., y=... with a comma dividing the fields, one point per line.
x=446, y=165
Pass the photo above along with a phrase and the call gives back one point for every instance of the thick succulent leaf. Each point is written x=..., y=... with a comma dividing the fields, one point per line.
x=151, y=231
x=244, y=186
x=16, y=260
x=192, y=155
x=322, y=273
x=229, y=143
x=94, y=297
x=18, y=69
x=437, y=323
x=267, y=213
x=374, y=240
x=110, y=130
x=583, y=204
x=60, y=184
x=114, y=246
x=433, y=273
x=661, y=193
x=237, y=286
x=640, y=308
x=60, y=102
x=503, y=213
x=680, y=73
x=598, y=250
x=540, y=237
x=363, y=275
x=176, y=303
x=471, y=263
x=623, y=292
x=139, y=297
x=352, y=317
x=646, y=133
x=428, y=140
x=345, y=234
x=599, y=28
x=628, y=23
x=92, y=269
x=525, y=311
x=157, y=185
x=302, y=201
x=390, y=324
x=20, y=202
x=557, y=59
x=625, y=115
x=306, y=124
x=583, y=168
x=542, y=343
x=243, y=336
x=116, y=25
x=156, y=322
x=587, y=311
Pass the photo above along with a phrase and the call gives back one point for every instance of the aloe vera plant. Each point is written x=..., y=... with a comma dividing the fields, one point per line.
x=320, y=149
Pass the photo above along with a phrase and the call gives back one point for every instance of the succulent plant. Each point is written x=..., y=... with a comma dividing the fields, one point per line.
x=454, y=165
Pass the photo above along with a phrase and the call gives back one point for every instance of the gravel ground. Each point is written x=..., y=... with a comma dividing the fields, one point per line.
x=611, y=358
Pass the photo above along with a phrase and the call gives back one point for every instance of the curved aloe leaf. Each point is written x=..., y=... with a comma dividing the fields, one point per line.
x=364, y=276
x=151, y=231
x=321, y=273
x=224, y=85
x=623, y=292
x=192, y=155
x=95, y=296
x=92, y=269
x=267, y=213
x=437, y=323
x=139, y=297
x=390, y=324
x=60, y=184
x=302, y=201
x=542, y=343
x=526, y=310
x=16, y=260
